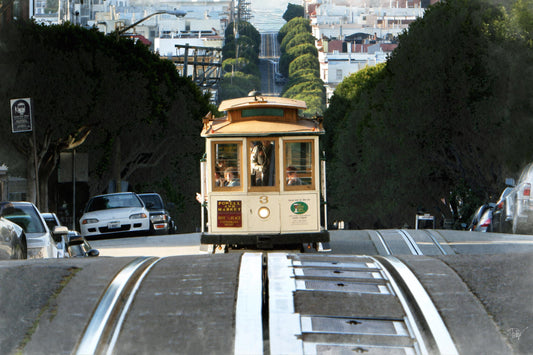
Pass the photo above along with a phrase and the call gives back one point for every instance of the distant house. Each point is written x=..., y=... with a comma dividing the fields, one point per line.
x=339, y=59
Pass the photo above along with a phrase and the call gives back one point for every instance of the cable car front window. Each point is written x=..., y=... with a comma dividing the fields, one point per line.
x=263, y=162
x=227, y=166
x=299, y=165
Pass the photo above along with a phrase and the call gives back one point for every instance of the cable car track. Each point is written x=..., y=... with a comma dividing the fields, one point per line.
x=374, y=305
x=404, y=242
x=302, y=304
x=104, y=327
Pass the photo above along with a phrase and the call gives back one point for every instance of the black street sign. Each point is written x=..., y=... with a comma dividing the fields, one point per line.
x=21, y=115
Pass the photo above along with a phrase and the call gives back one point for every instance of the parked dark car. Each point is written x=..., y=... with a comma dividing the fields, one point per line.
x=501, y=214
x=75, y=244
x=12, y=240
x=160, y=219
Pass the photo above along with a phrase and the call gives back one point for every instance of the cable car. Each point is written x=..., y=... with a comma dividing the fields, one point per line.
x=263, y=182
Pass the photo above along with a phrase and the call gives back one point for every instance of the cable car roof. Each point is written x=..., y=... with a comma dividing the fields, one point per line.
x=258, y=115
x=221, y=127
x=262, y=101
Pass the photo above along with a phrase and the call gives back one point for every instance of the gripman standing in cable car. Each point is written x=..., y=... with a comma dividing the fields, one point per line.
x=274, y=196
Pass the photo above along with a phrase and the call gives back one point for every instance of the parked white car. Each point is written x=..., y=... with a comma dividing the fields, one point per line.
x=112, y=214
x=520, y=203
x=41, y=242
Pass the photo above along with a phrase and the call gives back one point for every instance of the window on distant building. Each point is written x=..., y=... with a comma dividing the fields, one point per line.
x=339, y=74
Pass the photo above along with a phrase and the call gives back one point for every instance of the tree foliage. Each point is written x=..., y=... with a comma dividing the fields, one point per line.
x=288, y=56
x=305, y=61
x=98, y=94
x=440, y=126
x=299, y=62
x=293, y=11
x=241, y=73
x=295, y=22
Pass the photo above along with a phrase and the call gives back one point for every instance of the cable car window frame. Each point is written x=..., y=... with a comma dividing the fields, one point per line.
x=249, y=149
x=239, y=144
x=310, y=186
x=262, y=112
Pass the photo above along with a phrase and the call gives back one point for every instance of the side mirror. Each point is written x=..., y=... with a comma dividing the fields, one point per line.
x=59, y=232
x=510, y=182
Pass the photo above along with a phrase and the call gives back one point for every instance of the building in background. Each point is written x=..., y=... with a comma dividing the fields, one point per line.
x=353, y=34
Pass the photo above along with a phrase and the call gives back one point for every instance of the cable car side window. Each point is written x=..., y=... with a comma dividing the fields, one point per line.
x=226, y=166
x=262, y=162
x=298, y=165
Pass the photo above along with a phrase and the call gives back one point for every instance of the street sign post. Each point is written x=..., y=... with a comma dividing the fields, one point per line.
x=21, y=115
x=22, y=121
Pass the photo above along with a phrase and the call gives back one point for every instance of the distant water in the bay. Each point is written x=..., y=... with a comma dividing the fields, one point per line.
x=268, y=19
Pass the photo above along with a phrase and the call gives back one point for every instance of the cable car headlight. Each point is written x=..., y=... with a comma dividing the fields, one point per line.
x=264, y=212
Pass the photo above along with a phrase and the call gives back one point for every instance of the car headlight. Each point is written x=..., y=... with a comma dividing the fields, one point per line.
x=158, y=217
x=89, y=221
x=138, y=216
x=264, y=212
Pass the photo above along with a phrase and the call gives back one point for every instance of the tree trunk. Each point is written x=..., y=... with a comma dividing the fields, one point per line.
x=30, y=181
x=117, y=167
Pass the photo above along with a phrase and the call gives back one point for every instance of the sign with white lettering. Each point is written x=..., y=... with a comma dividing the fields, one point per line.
x=21, y=115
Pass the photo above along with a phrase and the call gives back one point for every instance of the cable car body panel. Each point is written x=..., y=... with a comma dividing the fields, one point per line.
x=262, y=178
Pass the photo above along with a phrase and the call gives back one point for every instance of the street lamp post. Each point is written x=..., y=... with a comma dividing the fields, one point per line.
x=177, y=13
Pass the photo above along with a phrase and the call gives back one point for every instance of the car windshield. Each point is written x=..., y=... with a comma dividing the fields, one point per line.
x=153, y=202
x=26, y=217
x=113, y=201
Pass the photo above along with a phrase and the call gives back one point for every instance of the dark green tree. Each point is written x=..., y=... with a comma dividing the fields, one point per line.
x=291, y=54
x=293, y=11
x=306, y=61
x=241, y=73
x=97, y=94
x=295, y=22
x=440, y=126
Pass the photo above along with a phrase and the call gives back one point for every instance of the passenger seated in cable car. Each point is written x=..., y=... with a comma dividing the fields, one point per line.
x=219, y=179
x=292, y=176
x=232, y=177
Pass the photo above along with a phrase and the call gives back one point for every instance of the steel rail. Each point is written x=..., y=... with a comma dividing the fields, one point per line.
x=430, y=234
x=411, y=320
x=109, y=305
x=125, y=309
x=421, y=300
x=383, y=243
x=411, y=243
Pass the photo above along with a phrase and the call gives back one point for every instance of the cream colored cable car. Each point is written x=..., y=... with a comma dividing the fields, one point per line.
x=262, y=185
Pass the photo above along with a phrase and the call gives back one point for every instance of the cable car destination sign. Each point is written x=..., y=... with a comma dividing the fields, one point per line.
x=21, y=115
